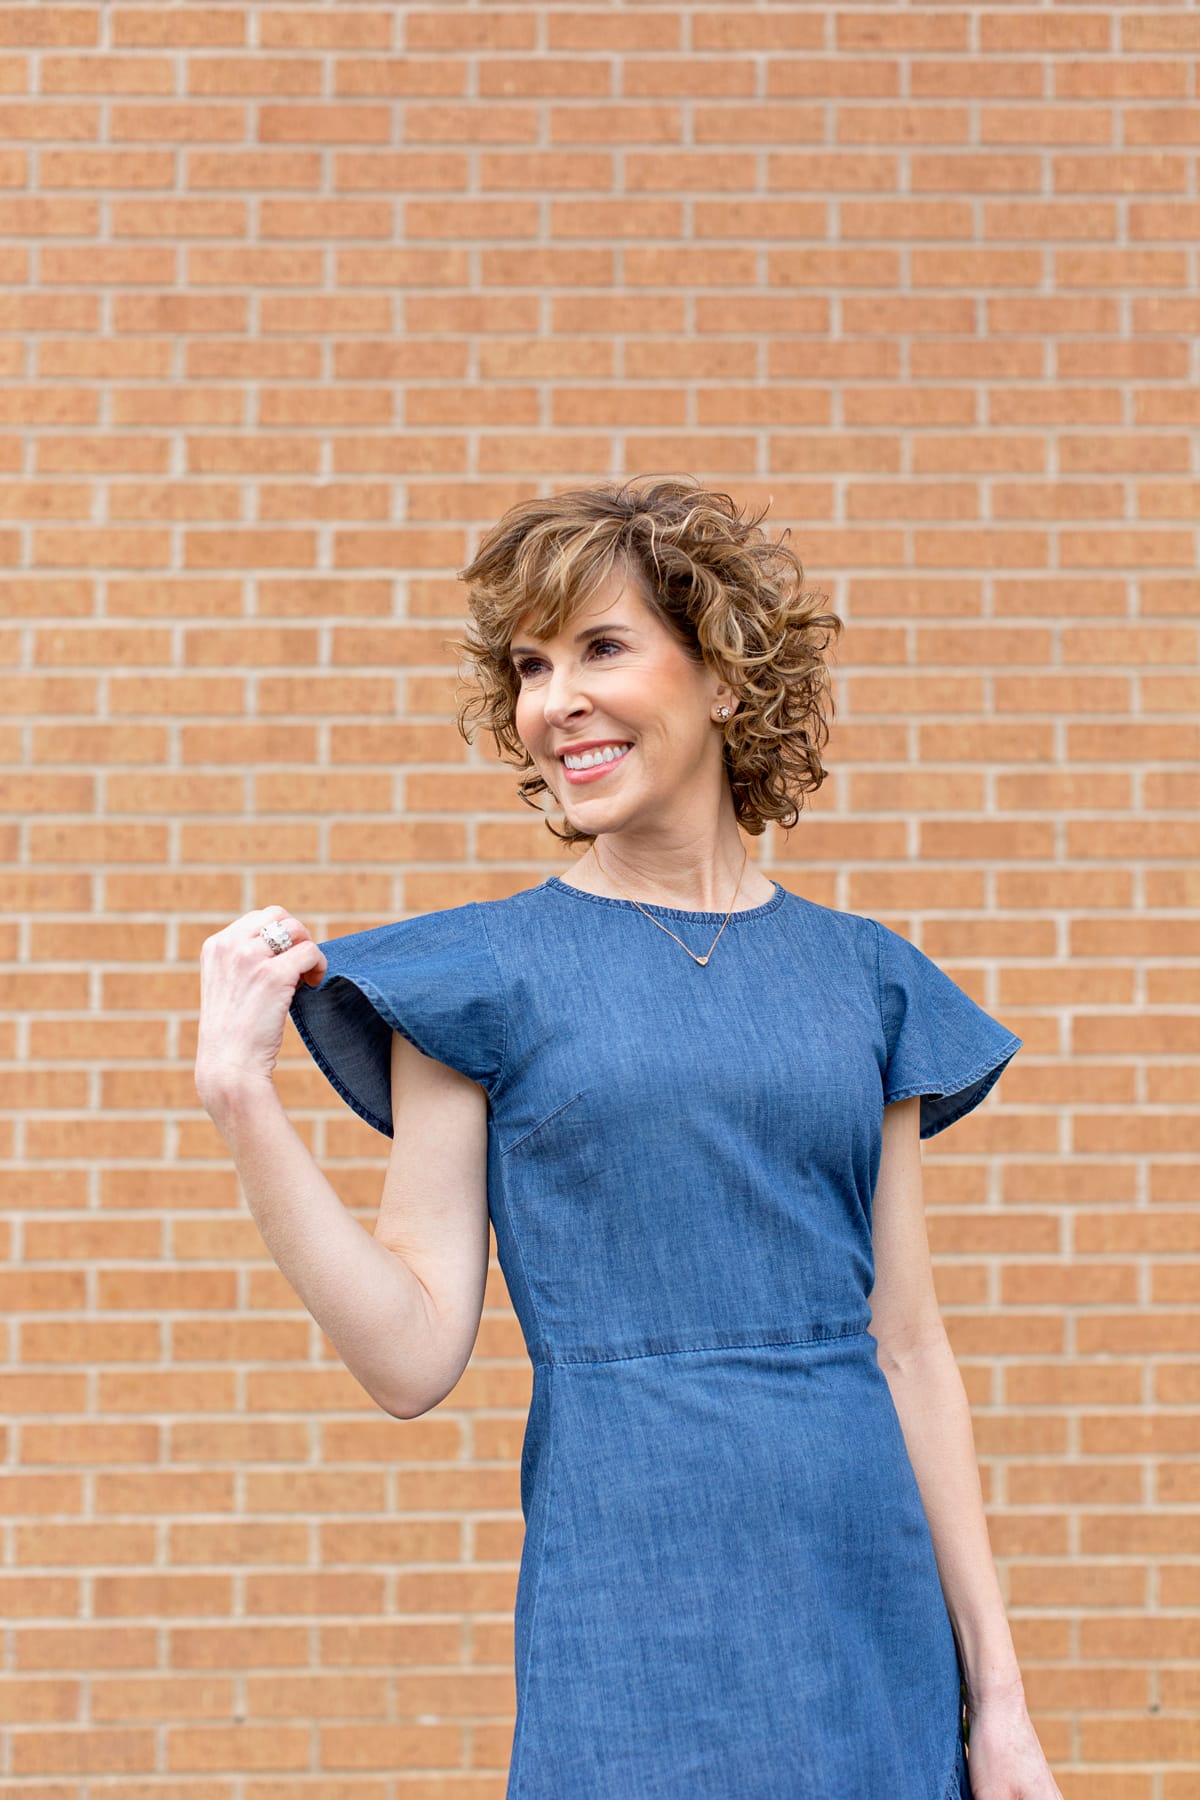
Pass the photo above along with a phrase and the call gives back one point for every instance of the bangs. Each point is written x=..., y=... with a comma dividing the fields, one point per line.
x=559, y=579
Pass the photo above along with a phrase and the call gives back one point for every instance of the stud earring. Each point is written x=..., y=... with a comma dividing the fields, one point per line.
x=722, y=712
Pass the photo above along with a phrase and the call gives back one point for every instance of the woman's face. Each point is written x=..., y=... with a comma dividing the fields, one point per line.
x=613, y=676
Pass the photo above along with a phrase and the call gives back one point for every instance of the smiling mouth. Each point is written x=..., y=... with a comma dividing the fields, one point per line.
x=595, y=770
x=599, y=755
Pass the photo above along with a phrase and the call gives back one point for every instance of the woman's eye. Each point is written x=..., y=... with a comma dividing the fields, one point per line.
x=532, y=662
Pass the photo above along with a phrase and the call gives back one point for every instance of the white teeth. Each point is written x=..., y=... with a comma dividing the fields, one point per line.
x=590, y=758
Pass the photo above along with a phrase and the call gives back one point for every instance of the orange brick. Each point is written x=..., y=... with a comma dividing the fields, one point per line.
x=292, y=307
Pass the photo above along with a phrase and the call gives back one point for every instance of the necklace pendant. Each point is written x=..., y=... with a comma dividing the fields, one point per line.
x=702, y=960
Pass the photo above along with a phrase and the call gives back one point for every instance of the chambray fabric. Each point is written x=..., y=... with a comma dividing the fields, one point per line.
x=728, y=1589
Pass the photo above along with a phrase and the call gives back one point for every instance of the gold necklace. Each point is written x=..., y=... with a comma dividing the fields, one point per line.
x=697, y=959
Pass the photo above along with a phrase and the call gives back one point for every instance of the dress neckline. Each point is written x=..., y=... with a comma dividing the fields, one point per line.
x=672, y=912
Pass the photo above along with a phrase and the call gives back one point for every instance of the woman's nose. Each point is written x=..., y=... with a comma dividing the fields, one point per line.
x=564, y=696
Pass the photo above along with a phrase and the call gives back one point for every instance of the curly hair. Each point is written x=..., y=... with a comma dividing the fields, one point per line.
x=730, y=596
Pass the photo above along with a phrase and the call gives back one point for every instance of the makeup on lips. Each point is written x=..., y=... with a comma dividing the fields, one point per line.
x=609, y=755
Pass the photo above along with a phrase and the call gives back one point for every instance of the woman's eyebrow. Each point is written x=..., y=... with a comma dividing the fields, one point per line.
x=588, y=631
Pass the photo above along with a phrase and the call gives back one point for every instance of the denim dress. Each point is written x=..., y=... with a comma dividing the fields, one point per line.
x=728, y=1588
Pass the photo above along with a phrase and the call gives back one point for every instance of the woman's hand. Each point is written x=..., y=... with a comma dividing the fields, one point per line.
x=1004, y=1758
x=245, y=993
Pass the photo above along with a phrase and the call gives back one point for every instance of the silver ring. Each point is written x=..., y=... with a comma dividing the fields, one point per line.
x=277, y=935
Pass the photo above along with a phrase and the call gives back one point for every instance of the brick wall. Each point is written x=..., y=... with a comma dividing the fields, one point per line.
x=294, y=300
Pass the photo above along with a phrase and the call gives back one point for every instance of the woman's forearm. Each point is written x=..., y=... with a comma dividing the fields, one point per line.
x=935, y=1416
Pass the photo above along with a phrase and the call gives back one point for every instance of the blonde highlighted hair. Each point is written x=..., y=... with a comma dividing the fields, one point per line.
x=732, y=598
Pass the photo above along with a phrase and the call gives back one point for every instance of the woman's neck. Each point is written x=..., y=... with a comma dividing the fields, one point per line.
x=712, y=896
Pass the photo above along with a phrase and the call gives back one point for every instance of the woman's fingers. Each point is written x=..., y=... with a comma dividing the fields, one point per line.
x=278, y=915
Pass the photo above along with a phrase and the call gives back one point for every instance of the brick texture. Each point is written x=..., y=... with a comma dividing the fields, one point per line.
x=295, y=299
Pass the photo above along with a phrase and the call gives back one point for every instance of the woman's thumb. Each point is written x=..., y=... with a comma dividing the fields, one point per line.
x=314, y=975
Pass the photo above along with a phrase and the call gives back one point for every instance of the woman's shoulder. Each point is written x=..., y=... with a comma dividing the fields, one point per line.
x=852, y=927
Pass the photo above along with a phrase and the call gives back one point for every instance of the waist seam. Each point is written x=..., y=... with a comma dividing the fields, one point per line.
x=822, y=1337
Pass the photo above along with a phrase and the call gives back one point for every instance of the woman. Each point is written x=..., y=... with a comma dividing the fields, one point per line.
x=703, y=1100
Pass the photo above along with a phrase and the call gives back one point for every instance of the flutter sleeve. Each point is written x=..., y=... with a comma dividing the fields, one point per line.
x=432, y=978
x=939, y=1042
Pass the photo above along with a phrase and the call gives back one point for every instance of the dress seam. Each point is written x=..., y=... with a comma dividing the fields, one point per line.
x=515, y=1236
x=994, y=1066
x=687, y=914
x=562, y=1107
x=514, y=1774
x=887, y=1048
x=487, y=937
x=771, y=1343
x=965, y=1081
